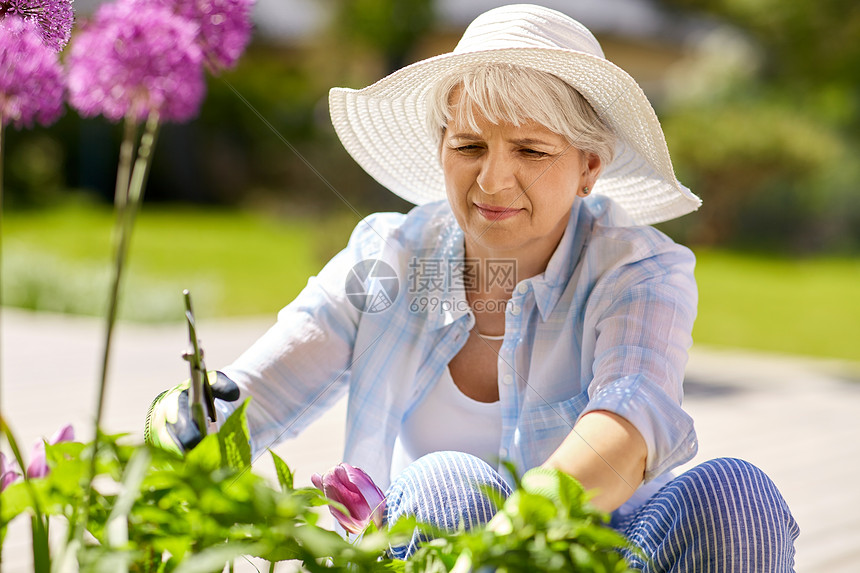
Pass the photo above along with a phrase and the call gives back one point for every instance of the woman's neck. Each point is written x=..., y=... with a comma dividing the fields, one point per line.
x=512, y=265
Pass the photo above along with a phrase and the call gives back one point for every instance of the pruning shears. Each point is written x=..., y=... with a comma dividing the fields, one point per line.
x=201, y=392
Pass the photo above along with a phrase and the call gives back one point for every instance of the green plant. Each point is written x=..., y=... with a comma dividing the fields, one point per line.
x=545, y=525
x=153, y=511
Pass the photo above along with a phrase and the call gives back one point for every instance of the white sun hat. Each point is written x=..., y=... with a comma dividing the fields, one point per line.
x=384, y=126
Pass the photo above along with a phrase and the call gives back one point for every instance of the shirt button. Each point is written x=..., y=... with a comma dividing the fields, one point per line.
x=523, y=288
x=515, y=309
x=503, y=452
x=508, y=379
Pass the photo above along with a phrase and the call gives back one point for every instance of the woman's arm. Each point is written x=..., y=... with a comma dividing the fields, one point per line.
x=605, y=453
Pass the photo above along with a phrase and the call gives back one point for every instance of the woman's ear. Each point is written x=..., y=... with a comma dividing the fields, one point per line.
x=593, y=166
x=590, y=172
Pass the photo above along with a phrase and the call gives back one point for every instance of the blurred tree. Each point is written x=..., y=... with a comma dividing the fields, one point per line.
x=810, y=47
x=773, y=148
x=390, y=28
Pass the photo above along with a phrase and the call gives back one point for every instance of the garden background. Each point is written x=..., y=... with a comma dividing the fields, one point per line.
x=759, y=102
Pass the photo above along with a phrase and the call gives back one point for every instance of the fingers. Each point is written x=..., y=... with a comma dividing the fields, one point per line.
x=223, y=387
x=169, y=423
x=184, y=431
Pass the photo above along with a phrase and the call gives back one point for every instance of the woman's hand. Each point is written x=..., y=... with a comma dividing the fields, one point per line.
x=169, y=424
x=605, y=453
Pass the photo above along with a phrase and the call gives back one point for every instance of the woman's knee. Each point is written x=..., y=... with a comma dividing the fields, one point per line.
x=733, y=486
x=734, y=501
x=445, y=490
x=445, y=484
x=722, y=514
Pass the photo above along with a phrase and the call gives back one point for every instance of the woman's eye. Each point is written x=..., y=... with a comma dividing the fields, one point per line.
x=533, y=153
x=467, y=148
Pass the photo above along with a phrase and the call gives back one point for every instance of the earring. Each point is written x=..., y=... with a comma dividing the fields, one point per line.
x=585, y=191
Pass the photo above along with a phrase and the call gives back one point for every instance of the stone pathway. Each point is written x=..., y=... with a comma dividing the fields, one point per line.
x=798, y=419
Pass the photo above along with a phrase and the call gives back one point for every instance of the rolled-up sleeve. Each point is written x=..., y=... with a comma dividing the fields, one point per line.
x=643, y=313
x=301, y=366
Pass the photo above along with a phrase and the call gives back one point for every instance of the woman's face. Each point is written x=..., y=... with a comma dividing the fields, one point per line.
x=511, y=188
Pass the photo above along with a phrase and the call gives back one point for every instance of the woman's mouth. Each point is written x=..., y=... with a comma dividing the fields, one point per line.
x=494, y=212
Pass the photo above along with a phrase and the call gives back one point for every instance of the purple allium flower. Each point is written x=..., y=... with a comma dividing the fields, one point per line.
x=31, y=77
x=353, y=488
x=225, y=27
x=54, y=18
x=8, y=472
x=38, y=462
x=136, y=58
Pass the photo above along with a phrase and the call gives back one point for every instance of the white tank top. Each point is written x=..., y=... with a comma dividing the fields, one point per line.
x=447, y=419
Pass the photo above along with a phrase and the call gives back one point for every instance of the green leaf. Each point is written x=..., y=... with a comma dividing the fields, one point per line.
x=41, y=549
x=112, y=560
x=320, y=542
x=17, y=499
x=177, y=545
x=285, y=475
x=117, y=522
x=62, y=451
x=284, y=550
x=395, y=565
x=206, y=455
x=531, y=509
x=603, y=537
x=571, y=493
x=512, y=470
x=234, y=440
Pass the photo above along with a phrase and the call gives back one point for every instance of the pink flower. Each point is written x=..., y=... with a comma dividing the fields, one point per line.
x=8, y=472
x=54, y=18
x=31, y=77
x=38, y=463
x=137, y=58
x=224, y=27
x=354, y=489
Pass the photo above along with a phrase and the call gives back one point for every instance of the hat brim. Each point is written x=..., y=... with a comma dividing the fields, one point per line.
x=384, y=128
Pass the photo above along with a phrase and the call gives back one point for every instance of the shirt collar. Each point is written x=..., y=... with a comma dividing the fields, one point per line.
x=549, y=285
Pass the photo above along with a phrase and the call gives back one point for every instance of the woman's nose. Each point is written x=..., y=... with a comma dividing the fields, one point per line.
x=496, y=174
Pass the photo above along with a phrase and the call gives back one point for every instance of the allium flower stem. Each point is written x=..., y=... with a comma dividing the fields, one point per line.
x=126, y=157
x=125, y=217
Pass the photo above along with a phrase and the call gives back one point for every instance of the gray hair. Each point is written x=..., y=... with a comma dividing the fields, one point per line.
x=515, y=94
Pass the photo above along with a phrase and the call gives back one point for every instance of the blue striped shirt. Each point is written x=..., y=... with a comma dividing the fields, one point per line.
x=607, y=326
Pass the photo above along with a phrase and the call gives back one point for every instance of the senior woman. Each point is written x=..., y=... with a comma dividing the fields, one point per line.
x=524, y=310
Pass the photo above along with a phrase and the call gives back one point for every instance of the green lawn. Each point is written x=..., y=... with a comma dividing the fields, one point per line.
x=243, y=264
x=805, y=306
x=234, y=263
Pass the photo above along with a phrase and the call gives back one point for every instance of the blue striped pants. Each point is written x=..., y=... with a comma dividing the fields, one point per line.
x=724, y=515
